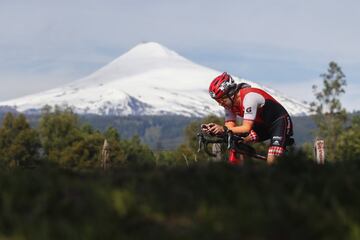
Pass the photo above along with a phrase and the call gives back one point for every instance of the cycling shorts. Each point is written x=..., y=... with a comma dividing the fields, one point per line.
x=278, y=132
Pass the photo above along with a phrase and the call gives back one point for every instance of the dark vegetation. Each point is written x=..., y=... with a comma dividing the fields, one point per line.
x=295, y=199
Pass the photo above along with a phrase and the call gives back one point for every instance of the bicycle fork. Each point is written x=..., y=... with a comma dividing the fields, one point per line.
x=235, y=158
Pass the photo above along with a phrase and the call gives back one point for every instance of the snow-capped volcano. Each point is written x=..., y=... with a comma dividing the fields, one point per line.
x=149, y=79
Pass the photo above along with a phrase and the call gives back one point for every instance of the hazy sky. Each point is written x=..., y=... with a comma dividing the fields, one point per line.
x=283, y=44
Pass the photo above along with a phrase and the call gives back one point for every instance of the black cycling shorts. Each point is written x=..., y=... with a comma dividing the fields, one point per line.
x=278, y=132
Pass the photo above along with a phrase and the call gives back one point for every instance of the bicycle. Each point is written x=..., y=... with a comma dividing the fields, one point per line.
x=234, y=142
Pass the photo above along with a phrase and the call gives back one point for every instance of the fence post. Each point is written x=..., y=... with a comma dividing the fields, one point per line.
x=216, y=149
x=319, y=151
x=105, y=155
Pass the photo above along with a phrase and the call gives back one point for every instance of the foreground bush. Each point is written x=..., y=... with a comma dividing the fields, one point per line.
x=292, y=200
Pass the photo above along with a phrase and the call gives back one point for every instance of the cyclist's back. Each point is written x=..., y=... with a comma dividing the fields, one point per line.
x=257, y=105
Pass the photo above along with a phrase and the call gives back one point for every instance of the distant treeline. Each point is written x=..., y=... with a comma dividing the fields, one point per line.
x=61, y=137
x=165, y=132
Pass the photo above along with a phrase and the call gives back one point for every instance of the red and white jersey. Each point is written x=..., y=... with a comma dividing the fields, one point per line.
x=256, y=105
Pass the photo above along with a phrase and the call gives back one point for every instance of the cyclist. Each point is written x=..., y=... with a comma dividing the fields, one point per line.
x=263, y=117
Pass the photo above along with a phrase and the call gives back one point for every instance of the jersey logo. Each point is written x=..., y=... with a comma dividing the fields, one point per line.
x=248, y=110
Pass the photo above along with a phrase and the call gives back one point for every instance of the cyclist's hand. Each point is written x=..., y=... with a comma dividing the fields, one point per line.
x=206, y=128
x=251, y=137
x=216, y=129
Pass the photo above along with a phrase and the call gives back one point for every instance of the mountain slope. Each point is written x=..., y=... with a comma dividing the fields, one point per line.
x=147, y=80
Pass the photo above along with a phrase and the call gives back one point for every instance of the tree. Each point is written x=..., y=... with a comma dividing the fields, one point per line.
x=19, y=144
x=84, y=153
x=348, y=147
x=58, y=130
x=329, y=115
x=136, y=153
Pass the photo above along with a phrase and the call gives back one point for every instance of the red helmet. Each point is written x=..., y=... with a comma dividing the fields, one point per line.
x=222, y=85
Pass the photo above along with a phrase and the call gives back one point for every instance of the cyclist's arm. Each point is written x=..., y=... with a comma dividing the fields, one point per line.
x=251, y=103
x=244, y=128
x=230, y=124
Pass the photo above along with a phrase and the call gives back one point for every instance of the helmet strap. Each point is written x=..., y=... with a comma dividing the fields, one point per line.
x=232, y=98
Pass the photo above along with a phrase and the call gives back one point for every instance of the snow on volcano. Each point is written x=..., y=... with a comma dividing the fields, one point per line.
x=149, y=79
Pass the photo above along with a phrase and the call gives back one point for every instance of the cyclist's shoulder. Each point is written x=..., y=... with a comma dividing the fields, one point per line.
x=255, y=91
x=252, y=89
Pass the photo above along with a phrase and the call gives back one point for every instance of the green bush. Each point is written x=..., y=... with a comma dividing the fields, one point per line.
x=295, y=199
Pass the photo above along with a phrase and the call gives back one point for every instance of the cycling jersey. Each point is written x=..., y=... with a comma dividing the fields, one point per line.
x=256, y=105
x=271, y=120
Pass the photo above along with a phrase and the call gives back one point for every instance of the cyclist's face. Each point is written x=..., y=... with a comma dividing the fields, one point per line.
x=225, y=102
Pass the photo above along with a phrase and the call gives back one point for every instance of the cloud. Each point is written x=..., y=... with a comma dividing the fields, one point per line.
x=264, y=40
x=271, y=24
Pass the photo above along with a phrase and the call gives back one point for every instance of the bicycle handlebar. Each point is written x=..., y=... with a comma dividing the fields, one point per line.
x=232, y=140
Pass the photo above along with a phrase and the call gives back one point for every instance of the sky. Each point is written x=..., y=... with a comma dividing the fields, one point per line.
x=282, y=44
